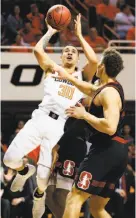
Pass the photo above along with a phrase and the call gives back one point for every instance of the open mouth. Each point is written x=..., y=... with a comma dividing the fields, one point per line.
x=69, y=58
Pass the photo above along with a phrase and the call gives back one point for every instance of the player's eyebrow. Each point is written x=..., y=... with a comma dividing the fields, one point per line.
x=66, y=49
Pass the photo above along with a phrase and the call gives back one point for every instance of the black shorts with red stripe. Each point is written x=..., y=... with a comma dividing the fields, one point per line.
x=103, y=166
x=73, y=148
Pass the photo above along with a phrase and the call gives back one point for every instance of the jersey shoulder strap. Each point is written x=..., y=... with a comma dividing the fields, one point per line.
x=115, y=85
x=78, y=75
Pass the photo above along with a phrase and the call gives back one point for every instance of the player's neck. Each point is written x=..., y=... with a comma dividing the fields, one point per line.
x=70, y=70
x=105, y=79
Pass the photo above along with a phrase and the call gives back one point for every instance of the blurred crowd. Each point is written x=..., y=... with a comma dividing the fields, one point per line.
x=19, y=205
x=22, y=24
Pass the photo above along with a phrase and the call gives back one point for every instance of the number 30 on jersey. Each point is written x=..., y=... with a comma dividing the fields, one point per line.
x=66, y=91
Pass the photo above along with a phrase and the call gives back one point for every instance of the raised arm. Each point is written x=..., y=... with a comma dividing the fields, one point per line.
x=91, y=66
x=39, y=50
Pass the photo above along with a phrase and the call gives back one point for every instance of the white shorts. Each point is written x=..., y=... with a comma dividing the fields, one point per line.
x=40, y=130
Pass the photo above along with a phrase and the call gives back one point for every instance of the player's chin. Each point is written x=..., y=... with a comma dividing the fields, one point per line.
x=70, y=63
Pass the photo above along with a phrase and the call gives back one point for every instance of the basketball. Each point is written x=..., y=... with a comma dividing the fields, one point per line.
x=58, y=17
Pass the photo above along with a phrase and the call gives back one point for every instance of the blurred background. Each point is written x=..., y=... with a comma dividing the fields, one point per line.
x=105, y=23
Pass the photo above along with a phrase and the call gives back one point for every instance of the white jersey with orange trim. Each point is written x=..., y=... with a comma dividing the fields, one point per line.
x=46, y=126
x=60, y=94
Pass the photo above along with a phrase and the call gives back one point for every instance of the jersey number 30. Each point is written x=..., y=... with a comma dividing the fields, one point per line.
x=66, y=91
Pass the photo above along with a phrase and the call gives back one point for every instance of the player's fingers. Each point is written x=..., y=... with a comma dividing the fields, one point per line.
x=72, y=115
x=79, y=104
x=69, y=113
x=78, y=18
x=72, y=107
x=70, y=110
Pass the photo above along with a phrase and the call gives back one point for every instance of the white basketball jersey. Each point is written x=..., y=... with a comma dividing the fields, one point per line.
x=60, y=94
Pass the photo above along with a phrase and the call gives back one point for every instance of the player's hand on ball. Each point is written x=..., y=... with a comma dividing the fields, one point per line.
x=52, y=30
x=78, y=28
x=77, y=112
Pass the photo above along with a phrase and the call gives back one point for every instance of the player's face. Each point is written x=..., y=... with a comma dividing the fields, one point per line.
x=70, y=56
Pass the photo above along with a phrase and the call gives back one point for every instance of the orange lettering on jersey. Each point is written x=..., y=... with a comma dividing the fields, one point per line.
x=66, y=91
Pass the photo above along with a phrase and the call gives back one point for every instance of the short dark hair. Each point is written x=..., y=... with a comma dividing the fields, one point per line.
x=113, y=62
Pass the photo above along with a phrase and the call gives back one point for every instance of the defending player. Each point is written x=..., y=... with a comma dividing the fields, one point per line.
x=107, y=158
x=47, y=123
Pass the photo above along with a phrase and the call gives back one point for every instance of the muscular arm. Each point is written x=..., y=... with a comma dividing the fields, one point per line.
x=39, y=50
x=111, y=102
x=85, y=87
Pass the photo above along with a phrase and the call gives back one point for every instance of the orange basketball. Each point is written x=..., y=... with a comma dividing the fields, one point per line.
x=58, y=17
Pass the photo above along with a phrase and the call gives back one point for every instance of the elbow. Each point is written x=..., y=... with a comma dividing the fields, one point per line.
x=94, y=62
x=111, y=131
x=37, y=52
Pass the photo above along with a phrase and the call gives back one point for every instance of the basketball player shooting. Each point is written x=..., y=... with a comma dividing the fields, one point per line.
x=45, y=128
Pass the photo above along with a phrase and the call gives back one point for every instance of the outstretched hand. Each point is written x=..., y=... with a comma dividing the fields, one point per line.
x=78, y=28
x=76, y=111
